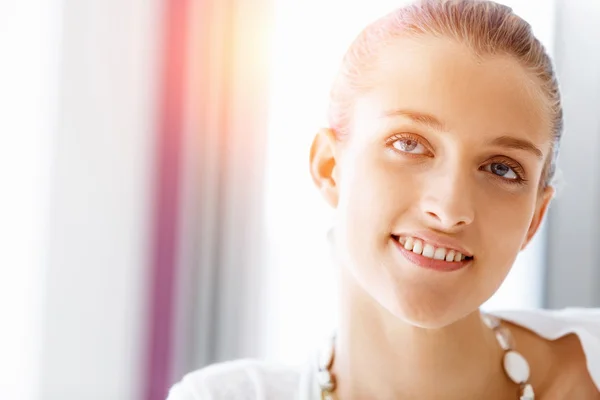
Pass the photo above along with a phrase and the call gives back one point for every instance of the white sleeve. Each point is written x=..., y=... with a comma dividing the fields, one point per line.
x=180, y=392
x=238, y=380
x=224, y=381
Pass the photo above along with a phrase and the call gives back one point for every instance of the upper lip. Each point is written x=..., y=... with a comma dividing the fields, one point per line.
x=437, y=241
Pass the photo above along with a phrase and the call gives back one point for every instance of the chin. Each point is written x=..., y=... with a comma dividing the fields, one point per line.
x=425, y=311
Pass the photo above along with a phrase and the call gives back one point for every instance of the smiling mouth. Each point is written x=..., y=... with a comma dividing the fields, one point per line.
x=426, y=255
x=427, y=250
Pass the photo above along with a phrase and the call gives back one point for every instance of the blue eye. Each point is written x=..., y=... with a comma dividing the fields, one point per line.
x=502, y=170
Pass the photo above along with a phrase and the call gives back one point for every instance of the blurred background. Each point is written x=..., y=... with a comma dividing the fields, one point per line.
x=156, y=210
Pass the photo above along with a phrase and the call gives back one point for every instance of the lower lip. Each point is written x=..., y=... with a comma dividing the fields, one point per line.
x=430, y=263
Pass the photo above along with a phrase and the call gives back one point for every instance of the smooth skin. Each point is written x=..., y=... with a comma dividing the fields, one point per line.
x=453, y=144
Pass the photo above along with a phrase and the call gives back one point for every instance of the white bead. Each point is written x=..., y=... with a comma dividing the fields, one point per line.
x=491, y=321
x=516, y=367
x=527, y=393
x=504, y=338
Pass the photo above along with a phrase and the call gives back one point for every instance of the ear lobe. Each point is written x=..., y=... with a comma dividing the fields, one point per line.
x=541, y=208
x=323, y=165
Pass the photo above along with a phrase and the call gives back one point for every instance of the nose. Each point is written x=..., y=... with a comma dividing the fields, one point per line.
x=447, y=202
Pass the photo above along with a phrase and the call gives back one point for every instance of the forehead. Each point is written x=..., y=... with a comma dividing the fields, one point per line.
x=441, y=77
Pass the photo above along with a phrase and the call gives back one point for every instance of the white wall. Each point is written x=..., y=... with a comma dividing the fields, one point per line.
x=97, y=265
x=29, y=46
x=574, y=228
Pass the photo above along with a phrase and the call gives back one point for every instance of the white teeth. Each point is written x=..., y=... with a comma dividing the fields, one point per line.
x=428, y=250
x=418, y=247
x=439, y=254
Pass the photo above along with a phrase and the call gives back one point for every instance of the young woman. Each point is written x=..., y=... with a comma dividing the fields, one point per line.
x=444, y=126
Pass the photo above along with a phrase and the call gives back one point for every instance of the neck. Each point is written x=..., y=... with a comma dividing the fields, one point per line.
x=378, y=355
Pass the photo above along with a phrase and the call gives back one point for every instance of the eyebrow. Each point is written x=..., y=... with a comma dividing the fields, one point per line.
x=434, y=123
x=519, y=144
x=418, y=117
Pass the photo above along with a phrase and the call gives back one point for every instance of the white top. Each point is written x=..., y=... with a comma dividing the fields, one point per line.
x=257, y=380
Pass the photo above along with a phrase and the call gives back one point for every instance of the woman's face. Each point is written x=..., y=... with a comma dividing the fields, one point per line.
x=445, y=150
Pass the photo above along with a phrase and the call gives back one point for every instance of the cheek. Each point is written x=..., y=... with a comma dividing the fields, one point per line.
x=503, y=223
x=370, y=203
x=373, y=194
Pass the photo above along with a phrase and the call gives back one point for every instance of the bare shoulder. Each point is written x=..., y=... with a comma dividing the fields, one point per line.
x=570, y=376
x=559, y=368
x=563, y=350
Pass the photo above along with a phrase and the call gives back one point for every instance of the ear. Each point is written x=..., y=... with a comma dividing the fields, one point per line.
x=541, y=207
x=323, y=165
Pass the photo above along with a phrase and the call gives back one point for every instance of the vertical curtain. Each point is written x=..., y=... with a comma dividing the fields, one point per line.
x=226, y=117
x=209, y=237
x=91, y=333
x=165, y=235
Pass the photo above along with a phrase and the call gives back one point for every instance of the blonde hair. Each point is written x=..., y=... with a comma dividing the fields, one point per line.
x=486, y=27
